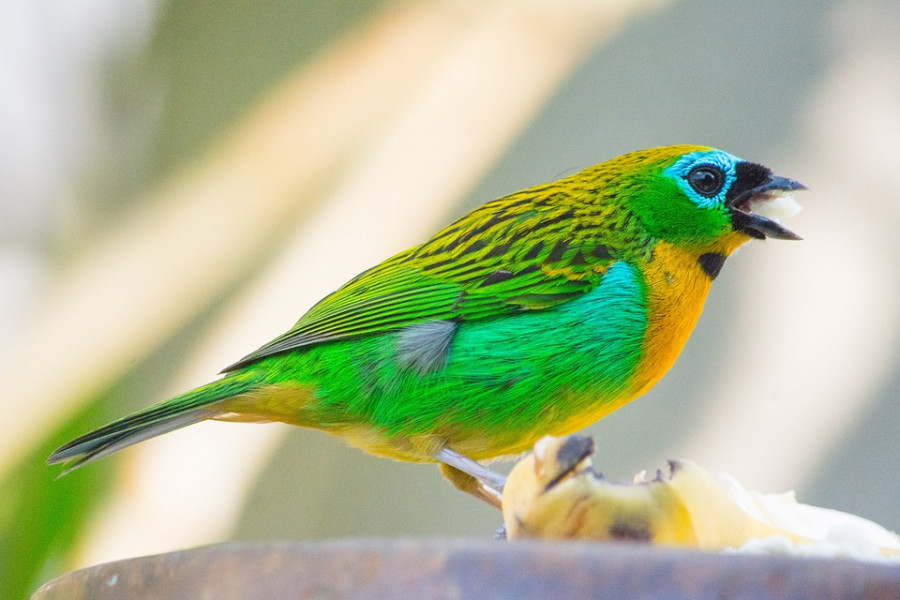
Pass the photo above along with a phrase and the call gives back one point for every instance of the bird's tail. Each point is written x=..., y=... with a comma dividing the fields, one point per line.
x=189, y=408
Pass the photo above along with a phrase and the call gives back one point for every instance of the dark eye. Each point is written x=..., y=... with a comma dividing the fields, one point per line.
x=706, y=180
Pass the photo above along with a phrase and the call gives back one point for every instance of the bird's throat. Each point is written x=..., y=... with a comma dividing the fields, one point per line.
x=677, y=286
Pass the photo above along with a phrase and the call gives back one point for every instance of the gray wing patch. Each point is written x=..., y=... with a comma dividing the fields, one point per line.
x=425, y=347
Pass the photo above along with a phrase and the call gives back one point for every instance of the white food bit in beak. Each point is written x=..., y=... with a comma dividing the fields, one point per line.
x=777, y=206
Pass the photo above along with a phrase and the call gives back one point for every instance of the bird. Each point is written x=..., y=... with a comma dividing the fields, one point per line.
x=537, y=313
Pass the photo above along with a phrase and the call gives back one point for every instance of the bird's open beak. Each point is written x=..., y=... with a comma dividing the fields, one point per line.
x=755, y=212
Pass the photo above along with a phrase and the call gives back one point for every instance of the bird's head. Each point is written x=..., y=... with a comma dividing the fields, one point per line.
x=705, y=197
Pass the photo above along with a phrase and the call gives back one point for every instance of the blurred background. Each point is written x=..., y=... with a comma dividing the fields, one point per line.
x=180, y=181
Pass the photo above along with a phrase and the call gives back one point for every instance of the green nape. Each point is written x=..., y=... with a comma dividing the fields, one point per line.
x=643, y=189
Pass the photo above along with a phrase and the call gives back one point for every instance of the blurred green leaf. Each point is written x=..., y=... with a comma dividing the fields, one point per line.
x=41, y=517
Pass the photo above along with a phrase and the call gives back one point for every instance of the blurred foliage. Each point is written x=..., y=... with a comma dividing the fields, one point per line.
x=42, y=517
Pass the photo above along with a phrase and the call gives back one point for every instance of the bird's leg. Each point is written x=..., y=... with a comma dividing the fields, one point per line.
x=466, y=483
x=489, y=478
x=471, y=477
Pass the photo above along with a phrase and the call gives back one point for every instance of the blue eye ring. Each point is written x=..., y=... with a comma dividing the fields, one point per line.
x=707, y=180
x=721, y=164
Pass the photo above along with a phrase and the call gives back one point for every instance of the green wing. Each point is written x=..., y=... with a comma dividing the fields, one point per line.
x=513, y=254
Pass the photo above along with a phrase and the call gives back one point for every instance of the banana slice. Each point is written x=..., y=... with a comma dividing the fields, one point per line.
x=555, y=493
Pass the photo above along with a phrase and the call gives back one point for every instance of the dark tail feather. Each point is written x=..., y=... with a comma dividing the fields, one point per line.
x=181, y=411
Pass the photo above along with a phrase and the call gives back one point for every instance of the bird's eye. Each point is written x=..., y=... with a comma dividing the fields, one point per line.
x=706, y=180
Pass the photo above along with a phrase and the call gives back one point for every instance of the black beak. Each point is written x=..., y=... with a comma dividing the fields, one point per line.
x=757, y=226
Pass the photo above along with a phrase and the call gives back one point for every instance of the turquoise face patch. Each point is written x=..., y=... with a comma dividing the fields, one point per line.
x=717, y=159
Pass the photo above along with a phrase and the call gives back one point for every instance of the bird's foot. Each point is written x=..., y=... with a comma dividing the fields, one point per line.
x=472, y=477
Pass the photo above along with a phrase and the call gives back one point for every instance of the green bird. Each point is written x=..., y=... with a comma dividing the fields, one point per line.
x=537, y=313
